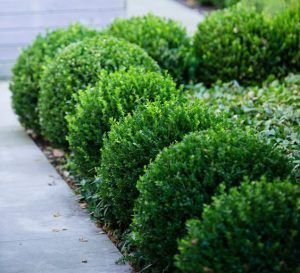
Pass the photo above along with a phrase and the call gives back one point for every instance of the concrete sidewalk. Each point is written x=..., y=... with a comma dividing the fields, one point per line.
x=42, y=227
x=167, y=8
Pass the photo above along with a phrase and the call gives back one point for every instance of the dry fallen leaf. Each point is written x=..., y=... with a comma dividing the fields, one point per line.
x=57, y=214
x=66, y=174
x=58, y=229
x=83, y=205
x=58, y=153
x=83, y=240
x=207, y=269
x=52, y=183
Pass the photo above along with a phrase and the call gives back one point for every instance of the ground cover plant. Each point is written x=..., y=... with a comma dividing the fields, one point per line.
x=252, y=227
x=27, y=71
x=185, y=176
x=132, y=143
x=114, y=96
x=165, y=40
x=75, y=68
x=273, y=110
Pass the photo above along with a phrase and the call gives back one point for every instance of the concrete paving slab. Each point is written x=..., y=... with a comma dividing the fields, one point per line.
x=42, y=227
x=57, y=254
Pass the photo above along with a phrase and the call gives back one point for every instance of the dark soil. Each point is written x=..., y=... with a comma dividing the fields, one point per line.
x=194, y=4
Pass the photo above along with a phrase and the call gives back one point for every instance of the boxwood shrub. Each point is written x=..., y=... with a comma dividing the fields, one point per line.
x=114, y=96
x=132, y=143
x=29, y=65
x=164, y=39
x=285, y=44
x=272, y=110
x=243, y=44
x=73, y=69
x=185, y=176
x=254, y=228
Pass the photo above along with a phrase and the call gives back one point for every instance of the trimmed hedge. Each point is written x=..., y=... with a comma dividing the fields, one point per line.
x=29, y=65
x=185, y=176
x=165, y=40
x=272, y=110
x=113, y=97
x=133, y=143
x=246, y=45
x=254, y=228
x=74, y=69
x=232, y=45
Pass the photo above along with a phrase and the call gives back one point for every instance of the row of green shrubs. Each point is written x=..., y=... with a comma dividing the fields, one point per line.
x=148, y=159
x=235, y=44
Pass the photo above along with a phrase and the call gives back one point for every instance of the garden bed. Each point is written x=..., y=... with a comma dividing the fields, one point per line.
x=155, y=129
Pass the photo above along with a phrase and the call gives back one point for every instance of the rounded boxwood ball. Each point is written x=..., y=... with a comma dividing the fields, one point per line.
x=27, y=71
x=114, y=96
x=233, y=44
x=132, y=143
x=254, y=228
x=185, y=176
x=165, y=40
x=74, y=69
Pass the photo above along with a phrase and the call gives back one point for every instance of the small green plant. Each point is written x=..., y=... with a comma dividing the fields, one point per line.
x=132, y=143
x=253, y=228
x=75, y=68
x=165, y=40
x=25, y=82
x=114, y=96
x=185, y=176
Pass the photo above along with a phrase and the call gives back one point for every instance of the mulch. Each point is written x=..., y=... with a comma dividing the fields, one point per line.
x=194, y=4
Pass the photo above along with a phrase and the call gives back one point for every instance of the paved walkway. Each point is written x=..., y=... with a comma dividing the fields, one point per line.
x=42, y=227
x=167, y=8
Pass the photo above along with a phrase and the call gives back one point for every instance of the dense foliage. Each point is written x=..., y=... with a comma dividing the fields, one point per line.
x=164, y=39
x=185, y=176
x=29, y=65
x=284, y=43
x=148, y=159
x=133, y=143
x=274, y=111
x=243, y=44
x=73, y=69
x=113, y=97
x=254, y=228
